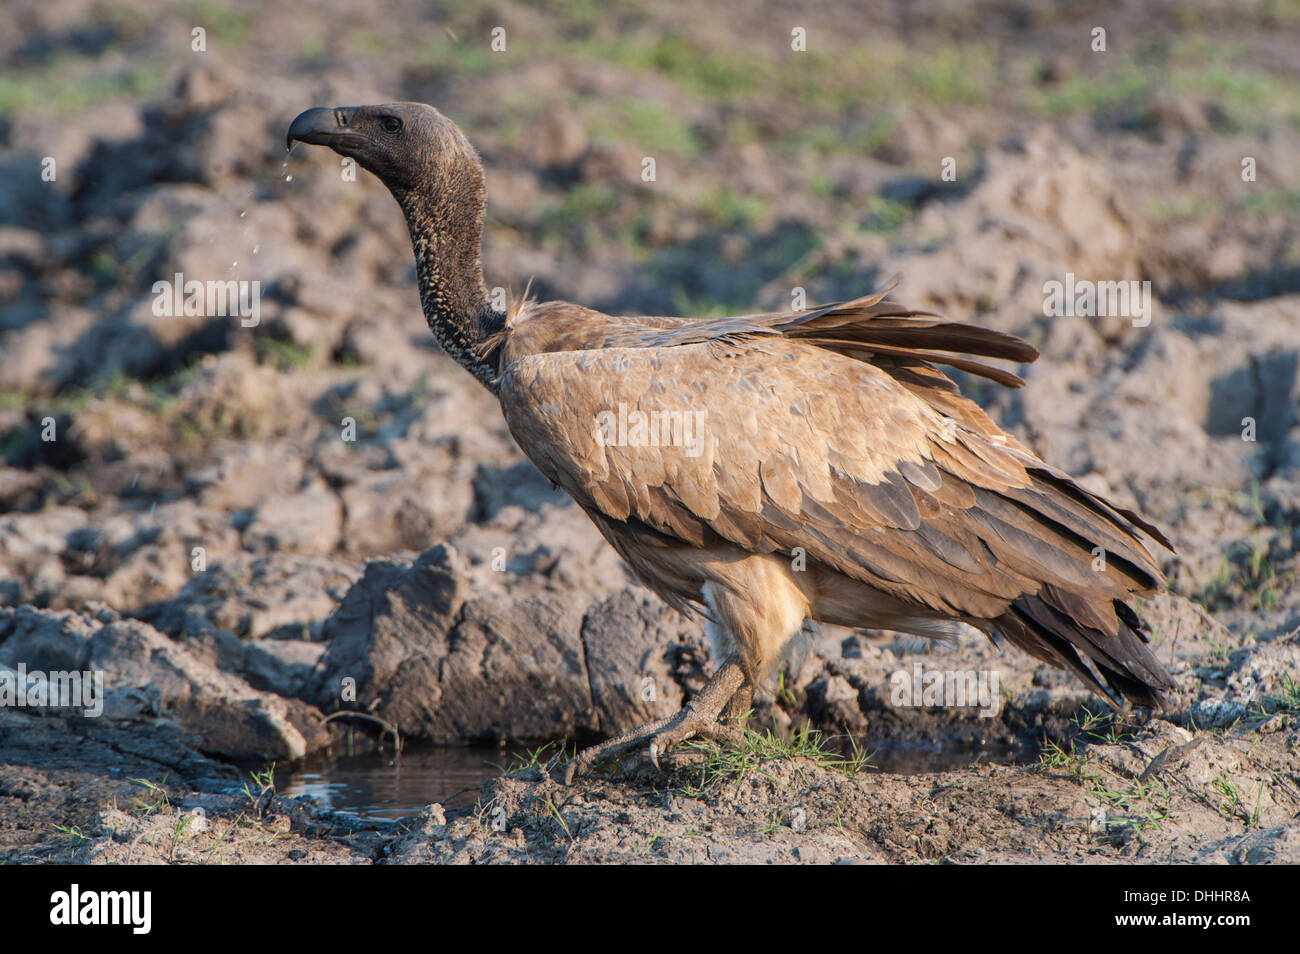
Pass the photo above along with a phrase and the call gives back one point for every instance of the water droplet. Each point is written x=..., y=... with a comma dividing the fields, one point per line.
x=256, y=249
x=288, y=178
x=242, y=213
x=233, y=264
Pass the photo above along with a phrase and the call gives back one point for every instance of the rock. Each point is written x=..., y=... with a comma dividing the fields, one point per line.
x=1274, y=846
x=281, y=666
x=246, y=472
x=453, y=651
x=393, y=351
x=225, y=714
x=833, y=701
x=441, y=665
x=43, y=639
x=281, y=595
x=308, y=521
x=38, y=358
x=425, y=495
x=514, y=669
x=32, y=547
x=17, y=487
x=634, y=648
x=387, y=633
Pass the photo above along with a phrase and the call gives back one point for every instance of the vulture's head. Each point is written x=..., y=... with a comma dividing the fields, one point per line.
x=409, y=146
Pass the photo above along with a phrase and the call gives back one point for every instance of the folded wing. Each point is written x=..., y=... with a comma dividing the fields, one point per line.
x=813, y=431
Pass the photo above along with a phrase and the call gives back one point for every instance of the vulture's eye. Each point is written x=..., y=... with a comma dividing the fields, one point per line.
x=390, y=124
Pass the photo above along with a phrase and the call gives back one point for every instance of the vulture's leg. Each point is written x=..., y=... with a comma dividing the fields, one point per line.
x=737, y=710
x=700, y=715
x=698, y=718
x=756, y=606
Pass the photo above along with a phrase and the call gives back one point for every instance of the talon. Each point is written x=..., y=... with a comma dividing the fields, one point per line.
x=699, y=717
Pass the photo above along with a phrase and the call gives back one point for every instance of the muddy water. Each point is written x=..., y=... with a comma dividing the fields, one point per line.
x=378, y=787
x=919, y=761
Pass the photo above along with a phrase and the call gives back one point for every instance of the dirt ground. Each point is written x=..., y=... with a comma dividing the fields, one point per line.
x=181, y=506
x=1155, y=794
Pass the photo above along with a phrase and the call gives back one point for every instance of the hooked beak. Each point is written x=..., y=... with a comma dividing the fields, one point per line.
x=324, y=127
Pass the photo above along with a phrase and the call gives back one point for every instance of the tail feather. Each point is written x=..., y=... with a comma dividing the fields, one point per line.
x=1046, y=531
x=1118, y=667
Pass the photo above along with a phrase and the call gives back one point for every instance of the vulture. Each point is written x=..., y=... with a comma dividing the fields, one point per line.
x=766, y=470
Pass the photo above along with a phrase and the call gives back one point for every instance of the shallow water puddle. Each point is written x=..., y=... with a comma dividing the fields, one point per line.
x=913, y=760
x=375, y=786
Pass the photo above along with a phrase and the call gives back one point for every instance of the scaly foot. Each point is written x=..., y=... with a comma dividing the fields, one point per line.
x=698, y=719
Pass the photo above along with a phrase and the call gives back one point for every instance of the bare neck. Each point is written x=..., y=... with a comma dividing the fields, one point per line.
x=446, y=230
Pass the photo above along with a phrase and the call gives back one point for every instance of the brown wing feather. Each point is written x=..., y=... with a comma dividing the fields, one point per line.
x=881, y=471
x=870, y=327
